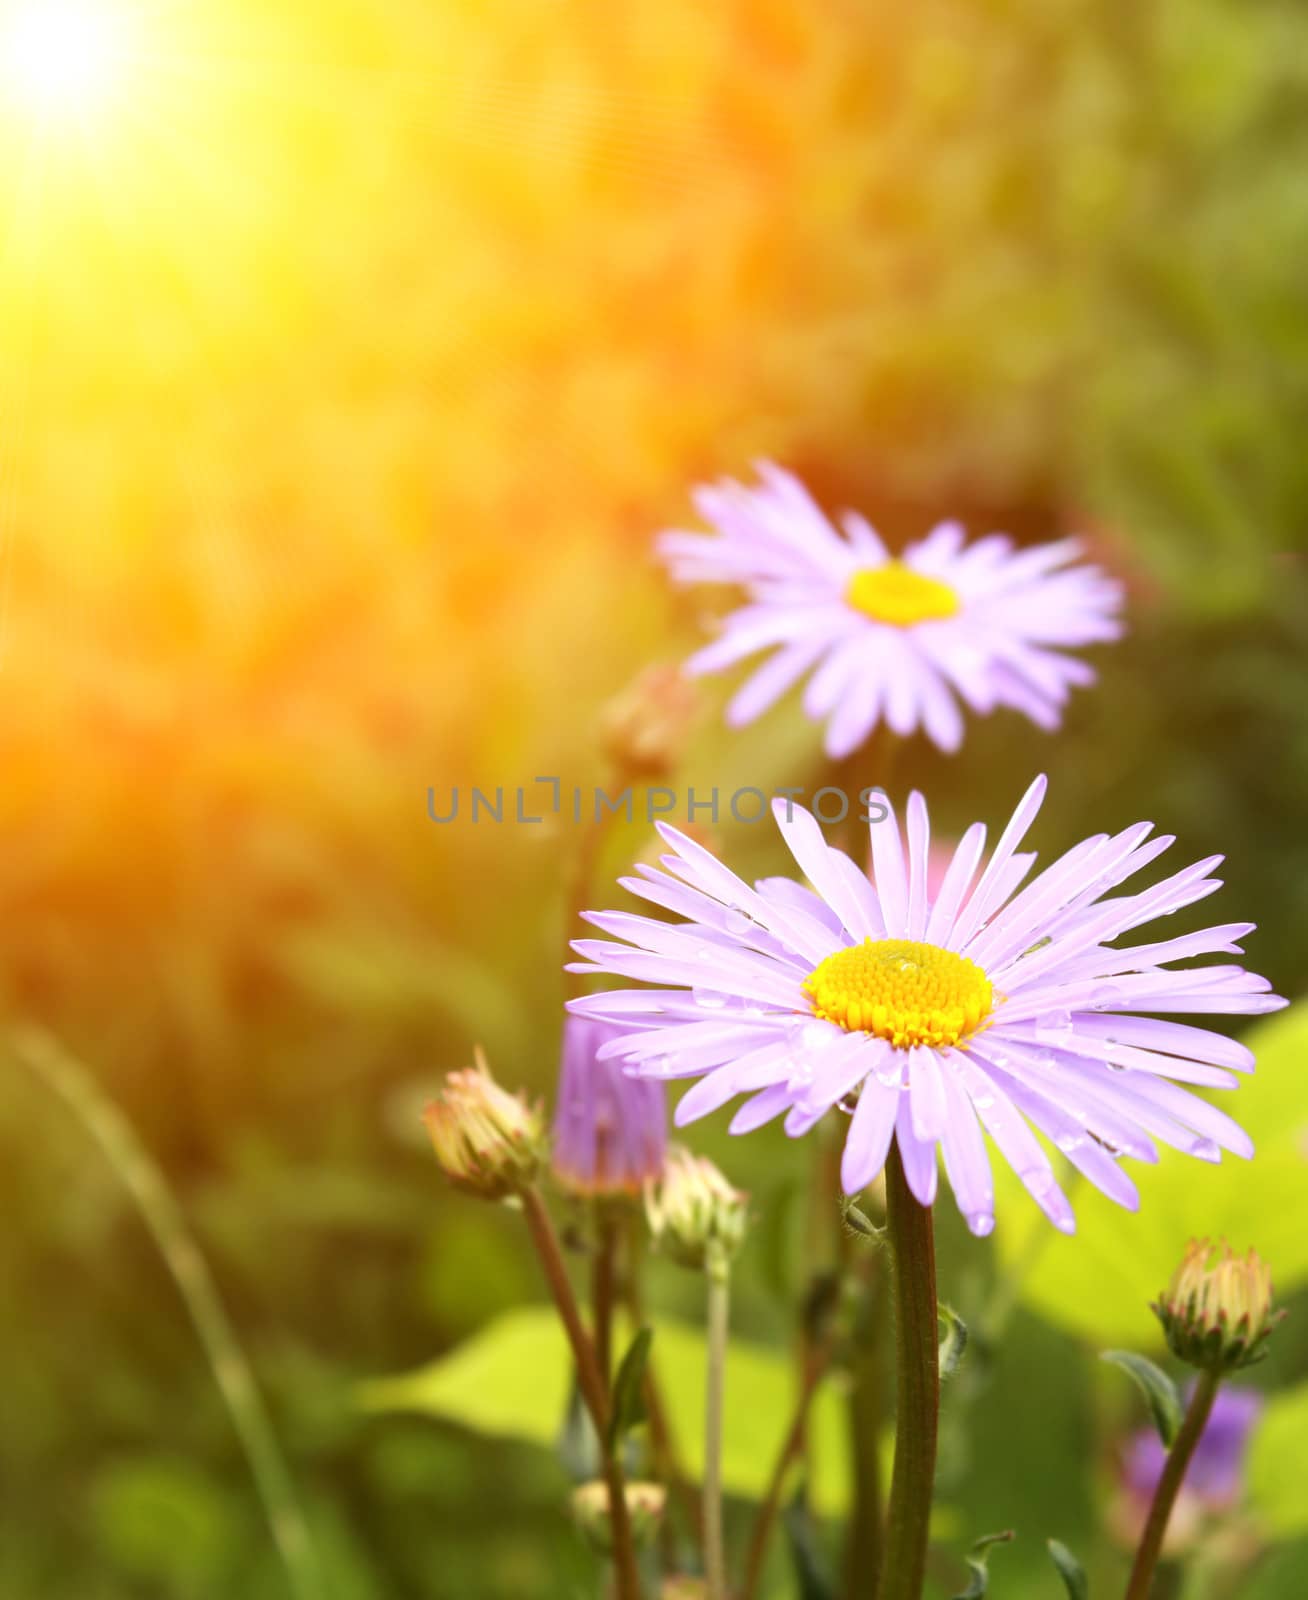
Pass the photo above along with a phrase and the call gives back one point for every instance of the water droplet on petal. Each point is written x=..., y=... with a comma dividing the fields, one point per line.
x=814, y=1034
x=1067, y=1142
x=981, y=1223
x=1054, y=1027
x=737, y=922
x=801, y=1076
x=1206, y=1149
x=709, y=999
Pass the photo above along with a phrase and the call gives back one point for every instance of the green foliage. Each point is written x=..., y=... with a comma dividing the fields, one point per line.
x=628, y=1387
x=1069, y=1570
x=1158, y=1389
x=346, y=390
x=513, y=1378
x=1099, y=1283
x=978, y=1561
x=161, y=1519
x=1276, y=1457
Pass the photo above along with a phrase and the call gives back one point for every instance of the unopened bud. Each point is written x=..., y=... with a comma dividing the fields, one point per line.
x=694, y=1213
x=488, y=1141
x=644, y=729
x=1217, y=1311
x=645, y=1506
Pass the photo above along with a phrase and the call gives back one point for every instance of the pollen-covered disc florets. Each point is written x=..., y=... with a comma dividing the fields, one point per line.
x=1217, y=1311
x=903, y=991
x=896, y=595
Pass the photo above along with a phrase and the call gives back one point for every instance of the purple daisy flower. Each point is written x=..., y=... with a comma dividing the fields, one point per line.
x=610, y=1129
x=900, y=639
x=986, y=1007
x=1216, y=1471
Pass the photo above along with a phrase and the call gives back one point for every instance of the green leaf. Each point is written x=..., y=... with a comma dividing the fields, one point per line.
x=1157, y=1388
x=978, y=1558
x=1128, y=1257
x=1070, y=1570
x=512, y=1379
x=1275, y=1471
x=628, y=1387
x=954, y=1343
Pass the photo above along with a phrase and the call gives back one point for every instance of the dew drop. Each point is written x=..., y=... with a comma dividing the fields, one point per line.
x=737, y=922
x=1054, y=1027
x=814, y=1034
x=981, y=1223
x=1206, y=1149
x=801, y=1077
x=709, y=999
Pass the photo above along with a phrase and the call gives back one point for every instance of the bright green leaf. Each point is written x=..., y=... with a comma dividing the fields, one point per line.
x=512, y=1380
x=1276, y=1456
x=1157, y=1388
x=1098, y=1284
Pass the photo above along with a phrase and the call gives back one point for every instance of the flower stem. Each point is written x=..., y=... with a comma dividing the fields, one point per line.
x=1178, y=1459
x=917, y=1355
x=719, y=1291
x=603, y=1286
x=865, y=1533
x=663, y=1446
x=594, y=1391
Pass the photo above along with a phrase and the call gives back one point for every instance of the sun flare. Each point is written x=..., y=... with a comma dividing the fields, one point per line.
x=63, y=58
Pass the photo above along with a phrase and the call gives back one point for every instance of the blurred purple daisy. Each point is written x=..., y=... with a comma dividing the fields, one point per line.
x=893, y=639
x=932, y=1017
x=1215, y=1475
x=610, y=1129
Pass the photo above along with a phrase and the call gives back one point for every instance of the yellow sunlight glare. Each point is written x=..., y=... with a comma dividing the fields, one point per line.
x=62, y=58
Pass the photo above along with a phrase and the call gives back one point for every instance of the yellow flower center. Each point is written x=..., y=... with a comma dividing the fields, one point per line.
x=903, y=991
x=897, y=595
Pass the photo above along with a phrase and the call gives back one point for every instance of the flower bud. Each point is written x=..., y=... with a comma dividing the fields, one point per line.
x=694, y=1213
x=610, y=1131
x=488, y=1141
x=1217, y=1311
x=645, y=1506
x=644, y=729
